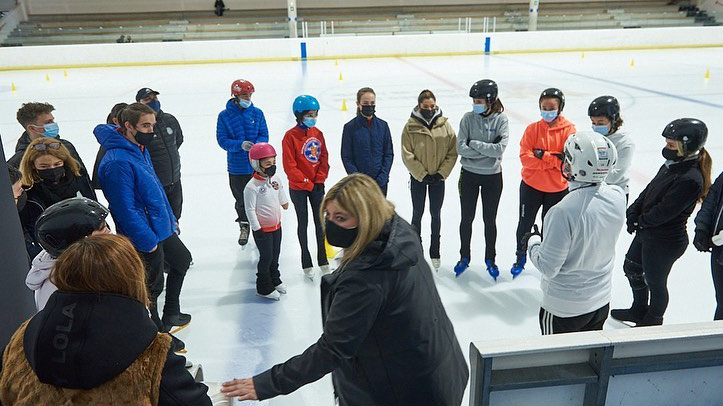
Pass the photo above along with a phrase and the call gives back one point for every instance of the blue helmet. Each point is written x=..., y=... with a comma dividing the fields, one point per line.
x=305, y=103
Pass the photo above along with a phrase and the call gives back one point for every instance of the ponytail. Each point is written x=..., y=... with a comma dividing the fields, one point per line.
x=705, y=163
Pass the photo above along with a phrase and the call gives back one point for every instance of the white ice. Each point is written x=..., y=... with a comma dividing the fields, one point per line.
x=236, y=334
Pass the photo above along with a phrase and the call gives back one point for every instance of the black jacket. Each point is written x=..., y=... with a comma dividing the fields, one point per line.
x=164, y=149
x=107, y=334
x=710, y=216
x=663, y=207
x=387, y=339
x=23, y=143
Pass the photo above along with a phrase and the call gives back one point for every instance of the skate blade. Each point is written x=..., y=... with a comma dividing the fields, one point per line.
x=183, y=351
x=179, y=328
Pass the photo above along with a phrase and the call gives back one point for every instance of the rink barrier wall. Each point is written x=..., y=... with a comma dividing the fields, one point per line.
x=322, y=48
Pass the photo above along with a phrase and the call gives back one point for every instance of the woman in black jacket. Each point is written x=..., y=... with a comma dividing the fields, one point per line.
x=387, y=339
x=658, y=218
x=709, y=238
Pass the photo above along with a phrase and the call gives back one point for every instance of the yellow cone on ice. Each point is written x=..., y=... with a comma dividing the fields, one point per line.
x=340, y=76
x=336, y=62
x=632, y=63
x=343, y=105
x=47, y=78
x=12, y=86
x=582, y=55
x=331, y=251
x=65, y=73
x=707, y=74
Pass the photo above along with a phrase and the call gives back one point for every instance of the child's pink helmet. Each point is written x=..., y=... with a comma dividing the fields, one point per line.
x=259, y=151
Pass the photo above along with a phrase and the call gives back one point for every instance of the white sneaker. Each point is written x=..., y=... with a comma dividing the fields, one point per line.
x=309, y=273
x=325, y=269
x=274, y=295
x=436, y=263
x=280, y=288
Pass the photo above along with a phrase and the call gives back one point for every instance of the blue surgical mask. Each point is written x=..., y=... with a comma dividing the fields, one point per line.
x=155, y=105
x=51, y=130
x=479, y=108
x=244, y=103
x=548, y=115
x=601, y=129
x=310, y=121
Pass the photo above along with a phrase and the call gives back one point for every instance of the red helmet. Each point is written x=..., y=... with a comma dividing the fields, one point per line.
x=241, y=86
x=261, y=150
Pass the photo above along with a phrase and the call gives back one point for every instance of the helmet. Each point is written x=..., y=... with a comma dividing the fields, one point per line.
x=553, y=93
x=484, y=89
x=690, y=131
x=259, y=151
x=605, y=106
x=68, y=221
x=305, y=103
x=241, y=86
x=588, y=157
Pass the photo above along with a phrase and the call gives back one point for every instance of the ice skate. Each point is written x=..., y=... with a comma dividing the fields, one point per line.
x=178, y=346
x=274, y=295
x=281, y=288
x=176, y=320
x=630, y=317
x=309, y=273
x=436, y=263
x=492, y=269
x=461, y=266
x=243, y=237
x=519, y=266
x=325, y=270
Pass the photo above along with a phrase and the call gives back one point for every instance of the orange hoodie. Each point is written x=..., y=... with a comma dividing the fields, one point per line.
x=544, y=174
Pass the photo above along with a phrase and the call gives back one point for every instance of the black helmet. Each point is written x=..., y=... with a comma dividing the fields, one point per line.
x=605, y=106
x=553, y=93
x=690, y=131
x=484, y=89
x=68, y=221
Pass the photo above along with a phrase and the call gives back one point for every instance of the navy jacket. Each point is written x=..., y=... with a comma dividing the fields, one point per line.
x=234, y=126
x=136, y=198
x=710, y=216
x=367, y=149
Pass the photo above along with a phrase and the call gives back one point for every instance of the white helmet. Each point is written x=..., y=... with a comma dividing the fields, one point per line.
x=588, y=157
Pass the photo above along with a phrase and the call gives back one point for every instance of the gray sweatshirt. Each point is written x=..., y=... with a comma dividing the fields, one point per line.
x=620, y=174
x=479, y=154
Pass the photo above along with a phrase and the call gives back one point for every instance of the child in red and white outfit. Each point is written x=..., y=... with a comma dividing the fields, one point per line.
x=264, y=196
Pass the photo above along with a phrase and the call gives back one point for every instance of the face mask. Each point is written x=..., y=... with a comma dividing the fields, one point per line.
x=155, y=105
x=427, y=114
x=244, y=104
x=601, y=129
x=51, y=130
x=309, y=121
x=270, y=171
x=52, y=175
x=548, y=115
x=339, y=236
x=145, y=138
x=479, y=108
x=368, y=111
x=671, y=155
x=22, y=199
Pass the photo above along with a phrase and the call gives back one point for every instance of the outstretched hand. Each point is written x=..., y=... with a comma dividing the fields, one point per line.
x=243, y=388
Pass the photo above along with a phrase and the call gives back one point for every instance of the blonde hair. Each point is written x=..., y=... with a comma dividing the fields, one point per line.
x=360, y=196
x=27, y=164
x=105, y=263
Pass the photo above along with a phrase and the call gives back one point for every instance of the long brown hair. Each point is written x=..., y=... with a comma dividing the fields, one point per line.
x=496, y=107
x=705, y=163
x=27, y=164
x=105, y=263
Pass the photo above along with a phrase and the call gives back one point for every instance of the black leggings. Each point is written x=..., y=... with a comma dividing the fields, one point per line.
x=530, y=201
x=647, y=265
x=436, y=198
x=315, y=197
x=238, y=184
x=489, y=187
x=717, y=270
x=267, y=273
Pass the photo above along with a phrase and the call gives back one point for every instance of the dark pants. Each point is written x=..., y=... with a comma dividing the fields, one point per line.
x=176, y=255
x=315, y=197
x=436, y=198
x=174, y=193
x=489, y=187
x=238, y=184
x=647, y=265
x=530, y=201
x=551, y=324
x=717, y=270
x=267, y=271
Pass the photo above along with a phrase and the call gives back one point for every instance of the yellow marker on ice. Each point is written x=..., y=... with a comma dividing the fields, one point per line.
x=707, y=74
x=632, y=63
x=12, y=86
x=340, y=77
x=47, y=78
x=343, y=105
x=65, y=73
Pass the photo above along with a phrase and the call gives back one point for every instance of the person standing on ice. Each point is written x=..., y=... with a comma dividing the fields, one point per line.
x=386, y=338
x=577, y=255
x=481, y=141
x=541, y=156
x=604, y=113
x=429, y=151
x=366, y=143
x=658, y=217
x=264, y=196
x=306, y=164
x=238, y=128
x=709, y=238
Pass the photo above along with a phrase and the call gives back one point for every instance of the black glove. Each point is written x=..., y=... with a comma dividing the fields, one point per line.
x=632, y=224
x=260, y=235
x=558, y=156
x=526, y=237
x=318, y=188
x=437, y=178
x=539, y=153
x=497, y=140
x=702, y=241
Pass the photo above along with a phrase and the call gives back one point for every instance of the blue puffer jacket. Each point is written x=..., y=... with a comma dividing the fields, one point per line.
x=136, y=198
x=234, y=126
x=367, y=149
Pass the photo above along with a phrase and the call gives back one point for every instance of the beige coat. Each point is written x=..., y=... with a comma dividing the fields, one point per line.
x=427, y=152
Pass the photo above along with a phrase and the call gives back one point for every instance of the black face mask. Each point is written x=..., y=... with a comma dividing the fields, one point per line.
x=339, y=236
x=671, y=155
x=427, y=114
x=145, y=139
x=22, y=199
x=270, y=171
x=368, y=111
x=52, y=175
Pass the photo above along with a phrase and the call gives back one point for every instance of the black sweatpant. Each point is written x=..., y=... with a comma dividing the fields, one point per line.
x=300, y=198
x=173, y=252
x=267, y=271
x=717, y=270
x=551, y=324
x=489, y=187
x=652, y=259
x=238, y=184
x=174, y=193
x=530, y=201
x=436, y=198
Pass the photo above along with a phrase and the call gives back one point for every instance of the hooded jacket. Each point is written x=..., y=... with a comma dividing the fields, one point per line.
x=94, y=349
x=387, y=339
x=366, y=147
x=708, y=220
x=38, y=279
x=136, y=197
x=544, y=174
x=233, y=127
x=306, y=159
x=475, y=142
x=25, y=141
x=428, y=147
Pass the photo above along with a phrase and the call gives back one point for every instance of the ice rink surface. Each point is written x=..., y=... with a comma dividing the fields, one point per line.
x=236, y=334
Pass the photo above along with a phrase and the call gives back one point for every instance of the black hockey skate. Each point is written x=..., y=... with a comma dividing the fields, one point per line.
x=243, y=237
